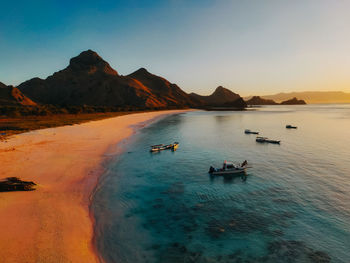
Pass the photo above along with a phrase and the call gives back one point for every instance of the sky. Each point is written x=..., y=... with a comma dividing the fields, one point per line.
x=253, y=47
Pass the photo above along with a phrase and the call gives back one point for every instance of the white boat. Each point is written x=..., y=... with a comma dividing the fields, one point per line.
x=265, y=139
x=229, y=168
x=247, y=131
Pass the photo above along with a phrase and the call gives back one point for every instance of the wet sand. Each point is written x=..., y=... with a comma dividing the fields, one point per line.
x=52, y=223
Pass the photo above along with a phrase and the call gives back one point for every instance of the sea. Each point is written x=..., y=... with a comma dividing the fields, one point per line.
x=292, y=205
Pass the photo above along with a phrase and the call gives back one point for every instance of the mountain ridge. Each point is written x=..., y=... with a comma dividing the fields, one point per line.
x=90, y=80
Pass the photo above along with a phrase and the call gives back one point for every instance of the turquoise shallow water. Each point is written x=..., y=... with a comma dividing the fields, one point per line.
x=293, y=206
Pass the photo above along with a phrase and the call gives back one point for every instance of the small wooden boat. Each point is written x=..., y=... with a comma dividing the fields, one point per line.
x=229, y=168
x=291, y=127
x=247, y=131
x=157, y=148
x=161, y=147
x=265, y=139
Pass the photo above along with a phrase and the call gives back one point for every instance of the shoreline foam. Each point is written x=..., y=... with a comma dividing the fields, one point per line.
x=54, y=223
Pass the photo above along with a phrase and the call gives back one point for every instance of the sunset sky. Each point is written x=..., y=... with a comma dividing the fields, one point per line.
x=252, y=47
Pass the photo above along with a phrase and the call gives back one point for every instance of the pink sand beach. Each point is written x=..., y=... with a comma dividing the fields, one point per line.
x=53, y=223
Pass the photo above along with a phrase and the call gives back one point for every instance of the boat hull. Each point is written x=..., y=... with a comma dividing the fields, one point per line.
x=267, y=141
x=228, y=172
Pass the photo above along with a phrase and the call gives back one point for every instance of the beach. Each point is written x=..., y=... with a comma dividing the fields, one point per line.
x=53, y=223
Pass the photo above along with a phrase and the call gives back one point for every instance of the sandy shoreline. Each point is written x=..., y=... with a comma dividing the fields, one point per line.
x=53, y=224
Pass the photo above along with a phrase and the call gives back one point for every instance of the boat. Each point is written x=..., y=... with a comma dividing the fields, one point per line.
x=265, y=139
x=229, y=168
x=161, y=147
x=291, y=127
x=247, y=131
x=157, y=148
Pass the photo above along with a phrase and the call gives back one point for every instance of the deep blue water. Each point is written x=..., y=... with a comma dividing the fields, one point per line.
x=293, y=206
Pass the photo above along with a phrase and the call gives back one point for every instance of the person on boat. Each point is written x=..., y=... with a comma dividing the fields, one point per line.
x=244, y=163
x=224, y=166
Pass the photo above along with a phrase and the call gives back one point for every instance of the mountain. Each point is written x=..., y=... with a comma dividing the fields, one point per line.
x=293, y=101
x=11, y=96
x=89, y=80
x=166, y=92
x=257, y=100
x=313, y=96
x=220, y=97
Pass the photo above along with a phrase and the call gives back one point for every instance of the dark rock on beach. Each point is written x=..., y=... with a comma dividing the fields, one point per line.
x=15, y=184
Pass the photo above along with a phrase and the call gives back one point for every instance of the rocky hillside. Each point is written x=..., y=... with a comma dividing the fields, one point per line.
x=89, y=80
x=166, y=92
x=257, y=100
x=293, y=101
x=11, y=96
x=220, y=97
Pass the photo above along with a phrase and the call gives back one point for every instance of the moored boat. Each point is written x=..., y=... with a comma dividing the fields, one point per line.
x=291, y=126
x=247, y=131
x=265, y=139
x=161, y=147
x=157, y=148
x=229, y=168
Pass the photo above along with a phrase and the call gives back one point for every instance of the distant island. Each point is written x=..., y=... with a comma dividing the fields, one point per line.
x=311, y=97
x=257, y=100
x=293, y=101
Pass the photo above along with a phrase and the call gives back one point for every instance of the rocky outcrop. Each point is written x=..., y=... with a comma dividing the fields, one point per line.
x=11, y=96
x=257, y=100
x=293, y=101
x=15, y=184
x=313, y=96
x=221, y=97
x=166, y=93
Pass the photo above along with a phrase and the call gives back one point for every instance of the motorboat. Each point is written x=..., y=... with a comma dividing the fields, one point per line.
x=291, y=127
x=265, y=139
x=261, y=139
x=229, y=168
x=247, y=131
